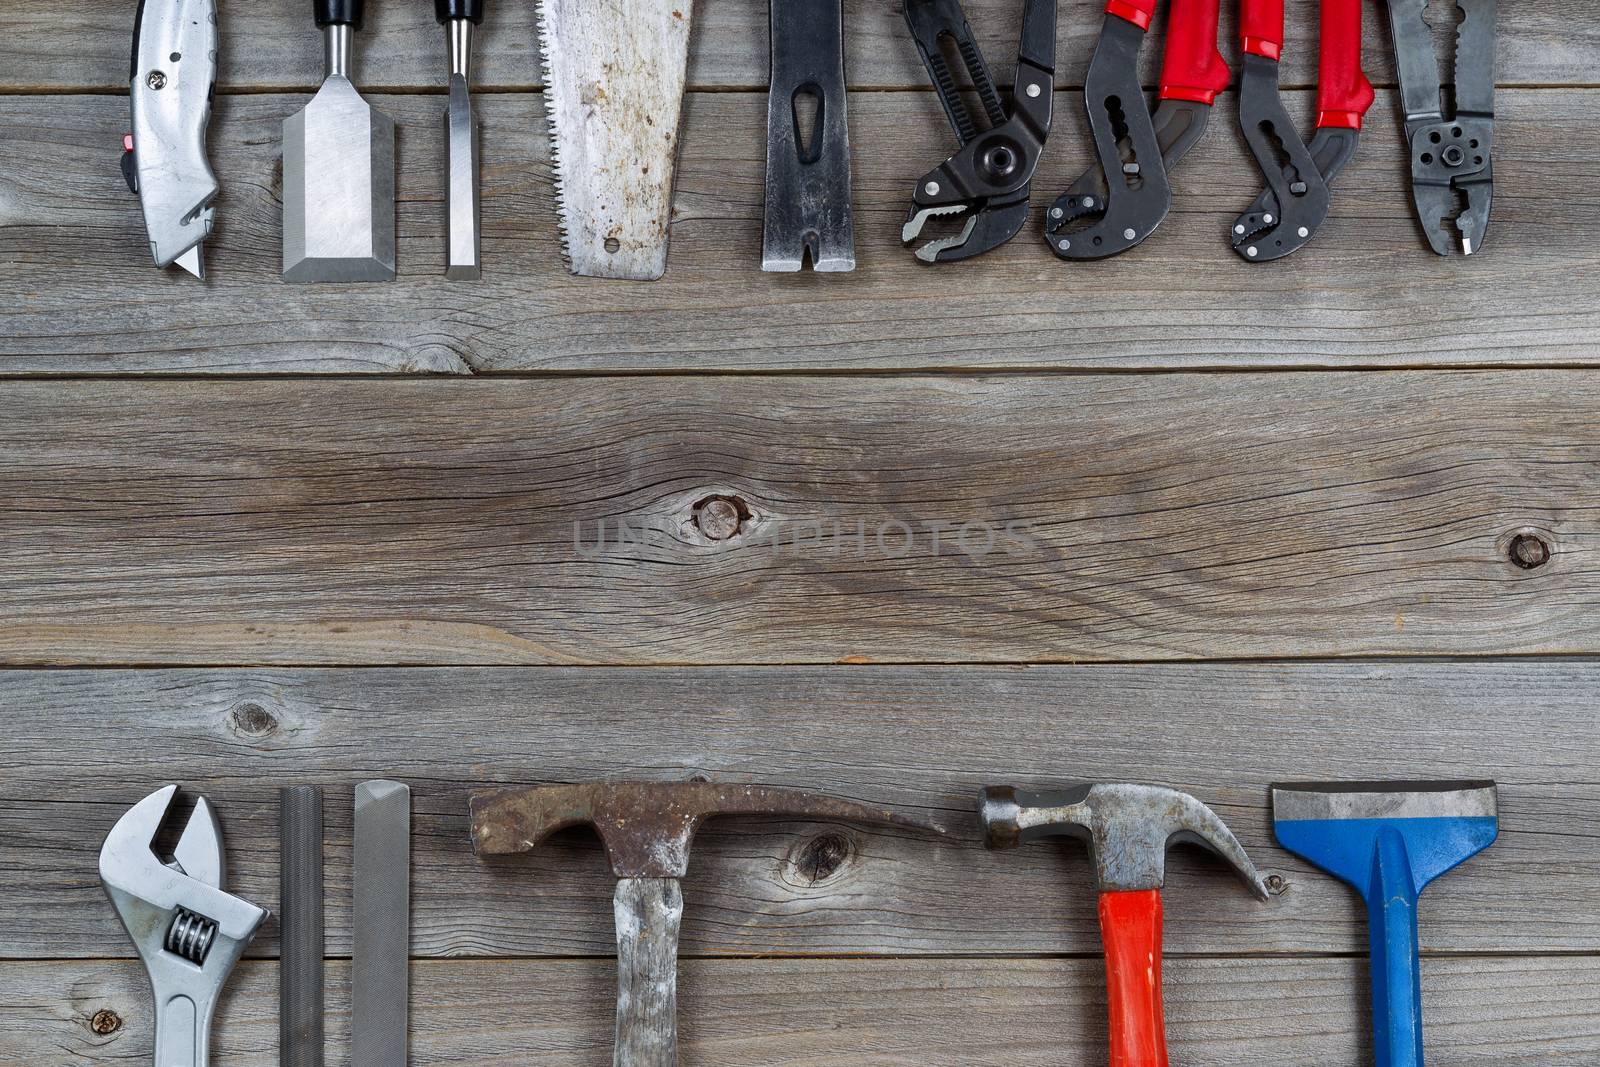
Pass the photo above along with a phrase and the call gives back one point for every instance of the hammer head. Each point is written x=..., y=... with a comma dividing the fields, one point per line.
x=646, y=827
x=1128, y=827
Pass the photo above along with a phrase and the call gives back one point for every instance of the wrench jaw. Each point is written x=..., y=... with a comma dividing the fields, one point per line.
x=189, y=933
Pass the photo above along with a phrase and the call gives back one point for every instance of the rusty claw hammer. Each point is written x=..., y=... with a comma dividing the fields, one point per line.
x=1128, y=828
x=646, y=828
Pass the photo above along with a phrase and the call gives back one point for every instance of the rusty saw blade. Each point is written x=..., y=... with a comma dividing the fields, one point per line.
x=614, y=77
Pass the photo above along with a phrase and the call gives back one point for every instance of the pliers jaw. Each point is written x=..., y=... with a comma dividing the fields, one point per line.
x=985, y=226
x=1145, y=194
x=1298, y=189
x=1452, y=174
x=985, y=186
x=1450, y=167
x=1264, y=232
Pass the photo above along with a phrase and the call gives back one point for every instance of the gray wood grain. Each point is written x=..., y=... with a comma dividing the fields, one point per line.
x=902, y=519
x=82, y=746
x=892, y=1013
x=275, y=46
x=1367, y=292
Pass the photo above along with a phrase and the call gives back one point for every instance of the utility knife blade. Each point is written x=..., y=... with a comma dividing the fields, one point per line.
x=173, y=74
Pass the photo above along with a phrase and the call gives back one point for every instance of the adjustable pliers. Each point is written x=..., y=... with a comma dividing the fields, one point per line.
x=1121, y=200
x=1295, y=203
x=987, y=182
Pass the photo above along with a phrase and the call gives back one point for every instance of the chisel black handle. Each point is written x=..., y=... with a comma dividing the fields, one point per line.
x=338, y=12
x=446, y=10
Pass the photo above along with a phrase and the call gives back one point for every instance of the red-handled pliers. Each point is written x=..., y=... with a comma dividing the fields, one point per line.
x=1292, y=208
x=1126, y=194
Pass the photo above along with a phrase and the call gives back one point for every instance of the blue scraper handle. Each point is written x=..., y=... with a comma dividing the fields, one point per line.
x=1389, y=862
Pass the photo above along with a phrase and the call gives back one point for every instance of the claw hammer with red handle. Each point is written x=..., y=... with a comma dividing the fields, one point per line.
x=1128, y=828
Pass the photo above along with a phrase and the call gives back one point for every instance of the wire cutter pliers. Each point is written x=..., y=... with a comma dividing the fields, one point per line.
x=1452, y=173
x=987, y=182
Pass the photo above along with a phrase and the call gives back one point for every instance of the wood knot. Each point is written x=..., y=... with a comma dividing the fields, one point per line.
x=1276, y=884
x=253, y=720
x=105, y=1022
x=1529, y=551
x=721, y=517
x=820, y=858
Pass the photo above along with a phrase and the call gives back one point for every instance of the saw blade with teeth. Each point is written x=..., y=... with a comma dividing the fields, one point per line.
x=615, y=72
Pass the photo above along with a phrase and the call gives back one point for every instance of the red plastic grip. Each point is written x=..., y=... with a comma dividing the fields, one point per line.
x=1130, y=927
x=1343, y=93
x=1261, y=27
x=1193, y=68
x=1138, y=12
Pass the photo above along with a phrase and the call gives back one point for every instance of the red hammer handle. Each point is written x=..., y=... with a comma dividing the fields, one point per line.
x=1130, y=927
x=1343, y=93
x=1193, y=68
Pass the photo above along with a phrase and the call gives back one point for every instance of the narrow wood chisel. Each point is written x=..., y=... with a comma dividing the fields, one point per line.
x=461, y=136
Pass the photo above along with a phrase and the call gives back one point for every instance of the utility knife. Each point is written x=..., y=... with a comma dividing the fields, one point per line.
x=173, y=75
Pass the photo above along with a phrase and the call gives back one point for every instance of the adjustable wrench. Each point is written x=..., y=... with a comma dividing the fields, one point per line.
x=187, y=930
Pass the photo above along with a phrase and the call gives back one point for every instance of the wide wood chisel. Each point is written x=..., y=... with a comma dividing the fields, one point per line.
x=338, y=170
x=1388, y=841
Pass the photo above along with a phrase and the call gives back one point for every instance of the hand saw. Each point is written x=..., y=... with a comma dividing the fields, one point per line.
x=614, y=79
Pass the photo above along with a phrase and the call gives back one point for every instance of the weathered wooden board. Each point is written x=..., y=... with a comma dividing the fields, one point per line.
x=82, y=746
x=1007, y=518
x=939, y=1013
x=84, y=297
x=274, y=46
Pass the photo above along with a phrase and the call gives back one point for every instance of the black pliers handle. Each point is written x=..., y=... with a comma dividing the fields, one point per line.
x=987, y=181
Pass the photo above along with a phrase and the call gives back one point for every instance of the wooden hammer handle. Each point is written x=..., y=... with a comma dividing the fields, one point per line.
x=1130, y=928
x=649, y=912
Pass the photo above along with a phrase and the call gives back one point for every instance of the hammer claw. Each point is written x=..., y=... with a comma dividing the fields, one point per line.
x=1128, y=827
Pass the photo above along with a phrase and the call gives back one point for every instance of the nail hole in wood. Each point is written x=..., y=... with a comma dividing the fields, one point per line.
x=1529, y=551
x=821, y=857
x=721, y=517
x=253, y=720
